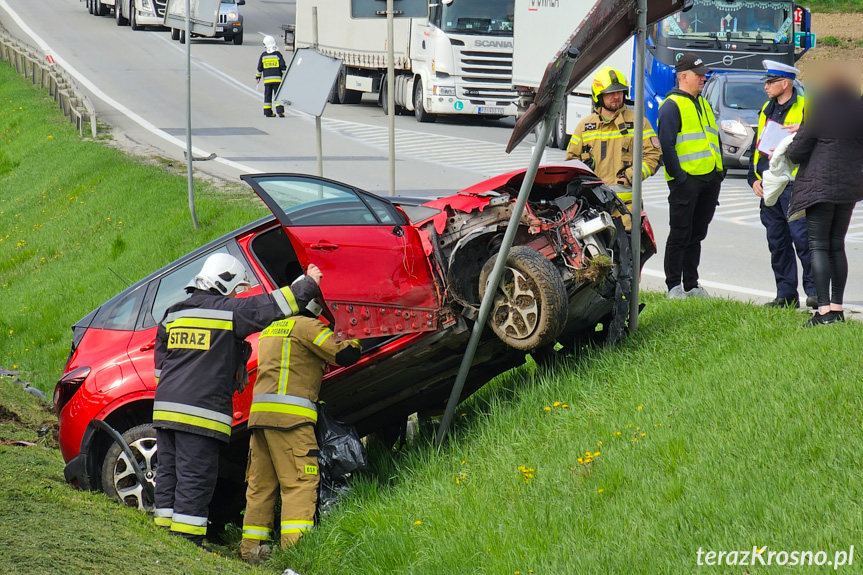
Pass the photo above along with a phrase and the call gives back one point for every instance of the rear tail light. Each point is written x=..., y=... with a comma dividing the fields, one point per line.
x=68, y=386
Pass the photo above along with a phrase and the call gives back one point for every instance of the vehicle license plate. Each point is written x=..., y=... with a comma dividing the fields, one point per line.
x=495, y=111
x=220, y=28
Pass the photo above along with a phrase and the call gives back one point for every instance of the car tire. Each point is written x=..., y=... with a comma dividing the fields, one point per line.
x=238, y=39
x=419, y=109
x=119, y=481
x=529, y=310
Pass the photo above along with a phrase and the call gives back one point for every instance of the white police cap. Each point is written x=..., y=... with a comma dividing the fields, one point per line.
x=778, y=70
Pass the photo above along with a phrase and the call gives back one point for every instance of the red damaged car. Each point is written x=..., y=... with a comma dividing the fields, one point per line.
x=406, y=276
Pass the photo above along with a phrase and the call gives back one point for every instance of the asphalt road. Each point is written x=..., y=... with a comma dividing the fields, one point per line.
x=137, y=82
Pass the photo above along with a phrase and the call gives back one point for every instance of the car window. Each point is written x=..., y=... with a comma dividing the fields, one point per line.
x=120, y=312
x=744, y=95
x=311, y=202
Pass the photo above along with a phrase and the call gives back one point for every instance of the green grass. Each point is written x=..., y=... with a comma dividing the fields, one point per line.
x=75, y=215
x=832, y=41
x=719, y=425
x=833, y=6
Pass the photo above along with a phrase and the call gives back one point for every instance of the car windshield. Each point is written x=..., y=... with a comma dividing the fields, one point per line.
x=744, y=95
x=493, y=17
x=743, y=20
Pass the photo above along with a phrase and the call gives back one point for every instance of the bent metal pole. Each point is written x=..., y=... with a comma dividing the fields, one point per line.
x=509, y=236
x=637, y=160
x=189, y=158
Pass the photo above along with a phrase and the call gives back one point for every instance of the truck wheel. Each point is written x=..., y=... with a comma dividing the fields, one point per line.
x=100, y=9
x=133, y=19
x=419, y=110
x=238, y=39
x=530, y=306
x=89, y=5
x=182, y=36
x=119, y=481
x=383, y=98
x=118, y=14
x=560, y=136
x=175, y=33
x=343, y=95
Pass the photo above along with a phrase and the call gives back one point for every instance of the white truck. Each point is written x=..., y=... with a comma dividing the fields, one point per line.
x=542, y=27
x=458, y=60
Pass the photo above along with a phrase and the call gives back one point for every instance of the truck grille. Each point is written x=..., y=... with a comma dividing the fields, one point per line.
x=160, y=7
x=485, y=77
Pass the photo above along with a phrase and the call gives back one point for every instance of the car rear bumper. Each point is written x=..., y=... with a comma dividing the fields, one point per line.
x=79, y=470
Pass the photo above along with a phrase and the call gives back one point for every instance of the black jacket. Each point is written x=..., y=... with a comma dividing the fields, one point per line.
x=829, y=149
x=199, y=350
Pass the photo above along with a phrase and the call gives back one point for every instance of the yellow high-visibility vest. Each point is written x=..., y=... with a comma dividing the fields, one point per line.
x=793, y=116
x=697, y=143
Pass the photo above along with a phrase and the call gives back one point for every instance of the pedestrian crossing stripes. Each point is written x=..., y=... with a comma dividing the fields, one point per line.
x=737, y=204
x=485, y=158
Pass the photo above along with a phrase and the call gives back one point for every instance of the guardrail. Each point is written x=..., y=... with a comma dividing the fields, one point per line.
x=50, y=76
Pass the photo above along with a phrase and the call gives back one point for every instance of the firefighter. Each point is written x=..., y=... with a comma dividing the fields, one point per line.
x=200, y=360
x=283, y=456
x=603, y=140
x=271, y=66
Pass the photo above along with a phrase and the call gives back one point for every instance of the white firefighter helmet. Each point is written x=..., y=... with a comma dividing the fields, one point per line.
x=221, y=272
x=270, y=44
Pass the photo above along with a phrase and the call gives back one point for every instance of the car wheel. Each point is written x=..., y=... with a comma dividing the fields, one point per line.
x=530, y=306
x=118, y=477
x=238, y=39
x=419, y=110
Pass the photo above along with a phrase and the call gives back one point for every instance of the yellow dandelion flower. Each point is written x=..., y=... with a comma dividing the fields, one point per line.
x=596, y=454
x=50, y=137
x=599, y=442
x=643, y=434
x=418, y=522
x=563, y=406
x=457, y=480
x=617, y=433
x=600, y=490
x=11, y=331
x=547, y=408
x=556, y=404
x=580, y=460
x=640, y=406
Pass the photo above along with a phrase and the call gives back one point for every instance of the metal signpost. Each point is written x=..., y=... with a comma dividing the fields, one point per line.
x=637, y=158
x=406, y=9
x=306, y=86
x=199, y=17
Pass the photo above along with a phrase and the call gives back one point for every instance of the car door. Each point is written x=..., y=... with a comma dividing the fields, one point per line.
x=377, y=278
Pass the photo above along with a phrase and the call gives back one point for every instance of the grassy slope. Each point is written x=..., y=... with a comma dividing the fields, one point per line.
x=71, y=211
x=832, y=6
x=719, y=425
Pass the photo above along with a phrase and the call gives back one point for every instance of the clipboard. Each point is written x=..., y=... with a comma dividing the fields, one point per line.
x=770, y=137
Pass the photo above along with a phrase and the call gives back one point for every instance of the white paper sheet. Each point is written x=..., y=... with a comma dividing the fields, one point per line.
x=772, y=134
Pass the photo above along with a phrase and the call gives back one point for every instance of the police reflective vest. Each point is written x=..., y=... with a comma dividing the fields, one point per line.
x=271, y=66
x=794, y=115
x=697, y=144
x=292, y=354
x=198, y=351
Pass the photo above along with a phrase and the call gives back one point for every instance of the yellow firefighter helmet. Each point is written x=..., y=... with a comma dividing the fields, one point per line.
x=606, y=81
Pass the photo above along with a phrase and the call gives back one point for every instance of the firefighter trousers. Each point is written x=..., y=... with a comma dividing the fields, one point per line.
x=270, y=90
x=185, y=481
x=281, y=462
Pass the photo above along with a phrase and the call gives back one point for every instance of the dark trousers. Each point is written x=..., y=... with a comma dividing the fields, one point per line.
x=185, y=480
x=827, y=225
x=270, y=90
x=783, y=238
x=691, y=206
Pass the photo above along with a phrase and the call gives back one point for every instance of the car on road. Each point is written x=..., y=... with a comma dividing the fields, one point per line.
x=404, y=276
x=737, y=99
x=229, y=27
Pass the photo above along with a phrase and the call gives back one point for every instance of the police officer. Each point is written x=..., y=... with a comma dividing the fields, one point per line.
x=200, y=360
x=292, y=354
x=603, y=140
x=271, y=66
x=783, y=237
x=693, y=168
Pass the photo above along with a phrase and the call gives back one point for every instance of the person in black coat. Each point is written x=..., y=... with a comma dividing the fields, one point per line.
x=829, y=149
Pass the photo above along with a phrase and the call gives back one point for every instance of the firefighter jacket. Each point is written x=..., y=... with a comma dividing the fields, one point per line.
x=609, y=144
x=292, y=355
x=199, y=350
x=271, y=67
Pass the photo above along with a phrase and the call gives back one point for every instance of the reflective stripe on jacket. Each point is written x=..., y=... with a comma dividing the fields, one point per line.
x=292, y=355
x=610, y=144
x=199, y=348
x=697, y=144
x=793, y=116
x=272, y=67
